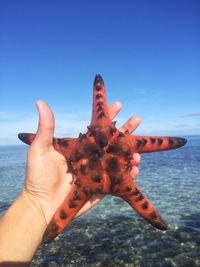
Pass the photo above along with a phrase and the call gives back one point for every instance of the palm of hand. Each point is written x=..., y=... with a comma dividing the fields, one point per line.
x=47, y=179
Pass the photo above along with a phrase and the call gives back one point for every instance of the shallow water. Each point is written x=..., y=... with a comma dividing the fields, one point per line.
x=112, y=234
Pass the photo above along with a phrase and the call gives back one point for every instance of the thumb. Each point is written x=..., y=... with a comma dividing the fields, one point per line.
x=46, y=125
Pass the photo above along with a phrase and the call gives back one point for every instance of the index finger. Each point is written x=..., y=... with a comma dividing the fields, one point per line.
x=131, y=125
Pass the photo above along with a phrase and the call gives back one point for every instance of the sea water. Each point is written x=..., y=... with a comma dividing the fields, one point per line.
x=112, y=234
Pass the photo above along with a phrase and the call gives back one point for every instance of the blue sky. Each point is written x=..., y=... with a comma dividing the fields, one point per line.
x=147, y=51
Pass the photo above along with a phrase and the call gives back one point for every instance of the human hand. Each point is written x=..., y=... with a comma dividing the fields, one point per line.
x=47, y=181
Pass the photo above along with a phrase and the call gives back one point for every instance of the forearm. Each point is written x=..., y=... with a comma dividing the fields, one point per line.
x=21, y=230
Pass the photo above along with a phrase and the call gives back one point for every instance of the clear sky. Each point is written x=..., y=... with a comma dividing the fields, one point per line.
x=147, y=51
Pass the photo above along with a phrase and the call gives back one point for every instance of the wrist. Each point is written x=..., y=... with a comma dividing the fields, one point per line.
x=24, y=224
x=32, y=205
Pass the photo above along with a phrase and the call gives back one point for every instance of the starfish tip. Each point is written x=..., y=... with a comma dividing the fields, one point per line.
x=98, y=79
x=23, y=137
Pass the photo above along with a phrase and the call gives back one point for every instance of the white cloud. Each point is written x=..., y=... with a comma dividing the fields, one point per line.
x=193, y=114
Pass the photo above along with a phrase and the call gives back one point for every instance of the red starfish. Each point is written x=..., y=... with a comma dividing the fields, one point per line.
x=100, y=161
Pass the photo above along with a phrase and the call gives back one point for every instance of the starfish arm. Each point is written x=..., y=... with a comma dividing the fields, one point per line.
x=62, y=145
x=145, y=144
x=71, y=205
x=143, y=206
x=100, y=112
x=27, y=138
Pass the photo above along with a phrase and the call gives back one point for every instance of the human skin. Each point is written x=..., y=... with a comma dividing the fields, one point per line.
x=46, y=185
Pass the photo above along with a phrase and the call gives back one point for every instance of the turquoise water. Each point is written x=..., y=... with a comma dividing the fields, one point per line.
x=112, y=234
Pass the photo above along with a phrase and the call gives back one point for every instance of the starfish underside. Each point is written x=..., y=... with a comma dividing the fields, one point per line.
x=100, y=161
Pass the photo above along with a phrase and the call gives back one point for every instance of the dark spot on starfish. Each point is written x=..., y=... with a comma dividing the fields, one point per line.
x=75, y=171
x=109, y=149
x=152, y=215
x=128, y=166
x=101, y=115
x=98, y=191
x=112, y=130
x=145, y=205
x=114, y=190
x=70, y=167
x=84, y=169
x=100, y=153
x=141, y=142
x=152, y=140
x=76, y=195
x=96, y=178
x=138, y=143
x=101, y=139
x=90, y=128
x=98, y=88
x=100, y=104
x=77, y=183
x=113, y=148
x=63, y=214
x=116, y=179
x=91, y=132
x=139, y=198
x=90, y=149
x=112, y=164
x=171, y=142
x=72, y=204
x=120, y=135
x=128, y=154
x=54, y=227
x=58, y=140
x=99, y=109
x=94, y=162
x=63, y=142
x=126, y=132
x=160, y=141
x=78, y=154
x=98, y=79
x=98, y=96
x=88, y=191
x=135, y=192
x=82, y=138
x=144, y=141
x=128, y=188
